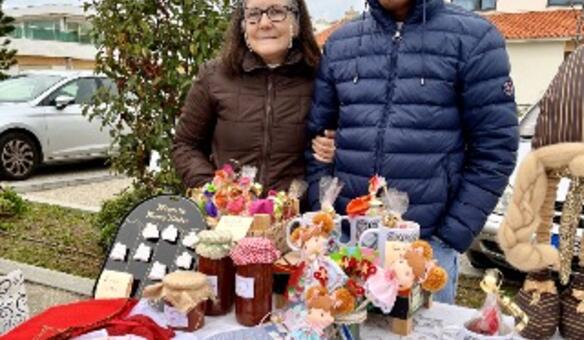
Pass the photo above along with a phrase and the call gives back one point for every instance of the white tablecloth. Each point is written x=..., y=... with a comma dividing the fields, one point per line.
x=428, y=324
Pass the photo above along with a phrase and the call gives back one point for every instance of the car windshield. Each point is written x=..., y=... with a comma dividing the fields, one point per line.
x=24, y=88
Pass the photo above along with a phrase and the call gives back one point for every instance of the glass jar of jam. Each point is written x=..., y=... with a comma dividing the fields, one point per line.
x=254, y=258
x=185, y=295
x=214, y=261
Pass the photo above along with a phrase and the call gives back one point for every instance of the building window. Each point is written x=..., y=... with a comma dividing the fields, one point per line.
x=477, y=5
x=53, y=30
x=563, y=2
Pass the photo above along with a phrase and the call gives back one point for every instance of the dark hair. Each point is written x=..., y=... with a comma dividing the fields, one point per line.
x=235, y=47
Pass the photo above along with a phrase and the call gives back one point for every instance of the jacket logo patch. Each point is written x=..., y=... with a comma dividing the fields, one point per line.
x=509, y=88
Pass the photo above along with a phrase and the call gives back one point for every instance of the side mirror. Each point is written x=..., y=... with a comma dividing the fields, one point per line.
x=62, y=101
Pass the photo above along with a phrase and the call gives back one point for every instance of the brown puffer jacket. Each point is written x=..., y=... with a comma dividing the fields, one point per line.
x=257, y=119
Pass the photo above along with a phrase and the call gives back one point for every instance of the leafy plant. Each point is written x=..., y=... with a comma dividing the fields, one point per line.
x=7, y=56
x=11, y=204
x=113, y=211
x=151, y=49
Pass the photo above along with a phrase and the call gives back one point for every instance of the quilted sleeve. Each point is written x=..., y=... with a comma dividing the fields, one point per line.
x=490, y=129
x=323, y=115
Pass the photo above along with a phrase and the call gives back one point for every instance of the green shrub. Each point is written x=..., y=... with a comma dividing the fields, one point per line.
x=113, y=211
x=11, y=204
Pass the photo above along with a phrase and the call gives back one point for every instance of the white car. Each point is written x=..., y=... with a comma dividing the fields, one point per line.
x=41, y=120
x=485, y=251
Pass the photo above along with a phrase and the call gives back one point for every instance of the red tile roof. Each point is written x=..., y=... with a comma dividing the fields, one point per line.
x=322, y=36
x=536, y=25
x=527, y=25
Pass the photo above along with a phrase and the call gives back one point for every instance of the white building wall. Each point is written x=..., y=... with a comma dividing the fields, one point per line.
x=533, y=66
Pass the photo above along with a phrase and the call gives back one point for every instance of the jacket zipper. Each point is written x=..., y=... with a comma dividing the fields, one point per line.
x=267, y=128
x=396, y=40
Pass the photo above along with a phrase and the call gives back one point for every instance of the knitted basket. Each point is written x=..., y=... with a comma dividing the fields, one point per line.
x=572, y=322
x=543, y=309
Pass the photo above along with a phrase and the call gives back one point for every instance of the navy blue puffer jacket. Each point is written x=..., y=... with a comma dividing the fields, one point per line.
x=429, y=106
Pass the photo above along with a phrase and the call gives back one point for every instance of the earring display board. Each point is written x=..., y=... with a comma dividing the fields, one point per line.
x=156, y=238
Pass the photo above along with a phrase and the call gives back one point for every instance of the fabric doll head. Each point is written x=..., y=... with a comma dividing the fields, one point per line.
x=394, y=250
x=320, y=312
x=404, y=274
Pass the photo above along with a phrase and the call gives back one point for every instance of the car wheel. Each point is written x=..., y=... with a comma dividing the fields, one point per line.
x=479, y=260
x=19, y=156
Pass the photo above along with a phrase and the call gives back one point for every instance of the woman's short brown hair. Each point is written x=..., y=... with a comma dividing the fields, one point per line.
x=235, y=47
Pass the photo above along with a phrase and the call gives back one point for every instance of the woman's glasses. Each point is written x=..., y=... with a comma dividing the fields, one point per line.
x=276, y=13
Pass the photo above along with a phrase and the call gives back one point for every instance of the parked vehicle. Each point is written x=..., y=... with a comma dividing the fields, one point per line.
x=485, y=251
x=41, y=121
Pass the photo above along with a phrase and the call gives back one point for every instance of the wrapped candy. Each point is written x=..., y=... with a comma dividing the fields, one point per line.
x=396, y=204
x=368, y=204
x=330, y=188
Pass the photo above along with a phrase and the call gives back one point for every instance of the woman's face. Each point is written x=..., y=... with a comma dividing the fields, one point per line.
x=269, y=27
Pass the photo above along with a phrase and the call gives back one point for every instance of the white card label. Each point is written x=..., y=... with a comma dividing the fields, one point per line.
x=213, y=283
x=244, y=287
x=175, y=318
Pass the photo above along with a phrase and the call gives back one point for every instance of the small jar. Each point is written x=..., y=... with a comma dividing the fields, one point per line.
x=254, y=258
x=214, y=261
x=185, y=294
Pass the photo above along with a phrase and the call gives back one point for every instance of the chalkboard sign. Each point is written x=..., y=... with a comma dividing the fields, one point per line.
x=161, y=214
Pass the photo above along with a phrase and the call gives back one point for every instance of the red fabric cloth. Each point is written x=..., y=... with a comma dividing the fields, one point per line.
x=139, y=325
x=67, y=321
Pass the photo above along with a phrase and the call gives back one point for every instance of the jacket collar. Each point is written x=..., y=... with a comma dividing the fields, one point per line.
x=252, y=61
x=417, y=15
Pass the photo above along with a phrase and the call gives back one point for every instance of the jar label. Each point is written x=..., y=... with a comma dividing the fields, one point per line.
x=244, y=287
x=213, y=283
x=175, y=318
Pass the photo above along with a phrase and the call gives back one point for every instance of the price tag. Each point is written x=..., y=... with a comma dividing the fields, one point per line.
x=175, y=318
x=213, y=283
x=244, y=287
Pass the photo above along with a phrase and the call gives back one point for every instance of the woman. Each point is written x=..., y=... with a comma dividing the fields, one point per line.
x=251, y=104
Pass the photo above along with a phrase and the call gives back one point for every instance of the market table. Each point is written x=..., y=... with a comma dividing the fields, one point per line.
x=428, y=324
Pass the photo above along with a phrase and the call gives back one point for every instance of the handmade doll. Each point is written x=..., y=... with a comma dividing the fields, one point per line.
x=322, y=309
x=315, y=266
x=404, y=275
x=313, y=240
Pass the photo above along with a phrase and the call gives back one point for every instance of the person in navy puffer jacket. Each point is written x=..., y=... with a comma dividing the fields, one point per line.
x=419, y=92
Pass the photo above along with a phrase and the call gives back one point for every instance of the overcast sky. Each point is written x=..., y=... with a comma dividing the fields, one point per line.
x=327, y=9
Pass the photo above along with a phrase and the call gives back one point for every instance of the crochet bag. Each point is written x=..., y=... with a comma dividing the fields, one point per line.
x=572, y=322
x=540, y=301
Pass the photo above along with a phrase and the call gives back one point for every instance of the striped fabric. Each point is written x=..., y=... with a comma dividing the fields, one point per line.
x=562, y=107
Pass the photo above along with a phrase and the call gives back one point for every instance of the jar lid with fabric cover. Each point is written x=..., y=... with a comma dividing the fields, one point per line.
x=254, y=250
x=214, y=244
x=184, y=290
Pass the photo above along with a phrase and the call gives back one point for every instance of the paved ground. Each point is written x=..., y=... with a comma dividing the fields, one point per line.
x=88, y=196
x=41, y=297
x=83, y=185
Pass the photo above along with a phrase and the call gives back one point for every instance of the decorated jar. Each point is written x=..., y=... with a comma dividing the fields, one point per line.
x=185, y=294
x=253, y=258
x=214, y=261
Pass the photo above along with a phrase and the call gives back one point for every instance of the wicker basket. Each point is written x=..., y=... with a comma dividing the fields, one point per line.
x=543, y=309
x=572, y=323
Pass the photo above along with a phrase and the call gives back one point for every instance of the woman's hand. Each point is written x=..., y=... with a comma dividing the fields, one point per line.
x=324, y=147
